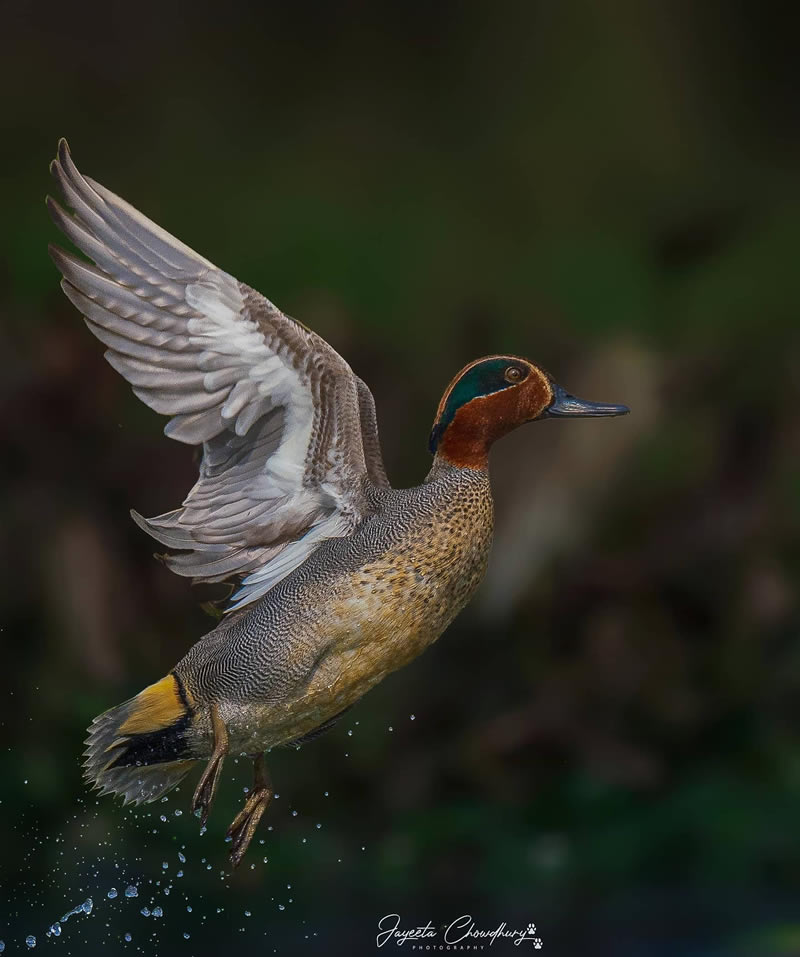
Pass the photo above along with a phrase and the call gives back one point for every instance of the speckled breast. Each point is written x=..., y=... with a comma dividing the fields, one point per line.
x=387, y=594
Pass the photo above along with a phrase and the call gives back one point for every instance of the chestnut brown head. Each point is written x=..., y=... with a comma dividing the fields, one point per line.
x=492, y=396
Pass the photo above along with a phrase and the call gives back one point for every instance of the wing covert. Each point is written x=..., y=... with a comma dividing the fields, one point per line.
x=287, y=430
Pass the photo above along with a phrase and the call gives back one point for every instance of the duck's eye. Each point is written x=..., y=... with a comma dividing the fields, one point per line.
x=513, y=374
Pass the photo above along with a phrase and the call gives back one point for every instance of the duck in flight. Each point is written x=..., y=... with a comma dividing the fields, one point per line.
x=339, y=578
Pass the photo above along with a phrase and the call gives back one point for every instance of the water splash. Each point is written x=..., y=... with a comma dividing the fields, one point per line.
x=55, y=928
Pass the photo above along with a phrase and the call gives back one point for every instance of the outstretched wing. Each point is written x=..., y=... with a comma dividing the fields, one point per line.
x=288, y=431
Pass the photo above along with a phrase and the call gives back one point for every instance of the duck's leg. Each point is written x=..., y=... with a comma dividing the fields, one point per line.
x=246, y=821
x=207, y=785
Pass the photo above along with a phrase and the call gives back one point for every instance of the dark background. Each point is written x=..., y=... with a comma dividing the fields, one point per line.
x=606, y=742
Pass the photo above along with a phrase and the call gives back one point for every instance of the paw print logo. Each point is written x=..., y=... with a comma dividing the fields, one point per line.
x=530, y=935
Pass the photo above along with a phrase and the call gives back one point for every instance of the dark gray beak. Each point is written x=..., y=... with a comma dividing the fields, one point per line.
x=565, y=404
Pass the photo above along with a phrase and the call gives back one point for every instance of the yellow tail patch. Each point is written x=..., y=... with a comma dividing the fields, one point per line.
x=157, y=706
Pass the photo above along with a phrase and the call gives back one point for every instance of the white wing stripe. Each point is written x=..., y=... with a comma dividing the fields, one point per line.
x=215, y=302
x=259, y=582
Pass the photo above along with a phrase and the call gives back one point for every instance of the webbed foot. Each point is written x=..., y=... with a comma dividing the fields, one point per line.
x=209, y=779
x=246, y=821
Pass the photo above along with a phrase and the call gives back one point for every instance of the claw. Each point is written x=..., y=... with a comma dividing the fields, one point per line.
x=241, y=832
x=207, y=785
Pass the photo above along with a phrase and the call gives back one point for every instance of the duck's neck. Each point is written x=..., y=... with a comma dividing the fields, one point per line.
x=463, y=452
x=461, y=449
x=442, y=470
x=466, y=441
x=468, y=436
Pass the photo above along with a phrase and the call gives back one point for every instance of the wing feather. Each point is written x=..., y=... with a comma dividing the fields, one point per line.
x=288, y=432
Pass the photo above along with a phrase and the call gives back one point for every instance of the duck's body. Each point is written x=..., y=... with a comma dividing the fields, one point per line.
x=357, y=609
x=341, y=579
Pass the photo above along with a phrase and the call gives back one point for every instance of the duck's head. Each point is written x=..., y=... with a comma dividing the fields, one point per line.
x=492, y=396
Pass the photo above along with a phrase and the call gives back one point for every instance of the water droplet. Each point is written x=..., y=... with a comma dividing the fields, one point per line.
x=55, y=930
x=112, y=893
x=185, y=936
x=247, y=913
x=128, y=938
x=350, y=733
x=87, y=905
x=181, y=857
x=145, y=912
x=319, y=826
x=2, y=946
x=179, y=874
x=131, y=891
x=158, y=912
x=164, y=865
x=30, y=940
x=413, y=717
x=178, y=812
x=324, y=793
x=164, y=818
x=391, y=728
x=281, y=907
x=294, y=813
x=189, y=908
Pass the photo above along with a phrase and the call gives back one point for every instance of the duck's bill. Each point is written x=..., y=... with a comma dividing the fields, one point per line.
x=568, y=405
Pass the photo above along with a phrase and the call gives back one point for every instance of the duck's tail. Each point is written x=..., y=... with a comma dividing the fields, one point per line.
x=139, y=749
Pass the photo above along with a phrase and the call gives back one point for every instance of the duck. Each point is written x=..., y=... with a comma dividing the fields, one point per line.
x=338, y=578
